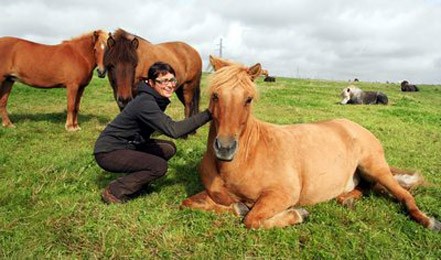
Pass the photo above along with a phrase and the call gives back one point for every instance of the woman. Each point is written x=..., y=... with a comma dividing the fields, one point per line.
x=125, y=145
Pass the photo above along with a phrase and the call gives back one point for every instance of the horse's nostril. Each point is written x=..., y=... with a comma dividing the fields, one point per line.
x=122, y=102
x=216, y=143
x=225, y=144
x=101, y=72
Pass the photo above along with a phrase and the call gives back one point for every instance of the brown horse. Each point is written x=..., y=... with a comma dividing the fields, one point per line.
x=69, y=64
x=128, y=57
x=266, y=172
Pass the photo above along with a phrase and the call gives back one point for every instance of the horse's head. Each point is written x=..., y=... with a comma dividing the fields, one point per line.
x=231, y=94
x=121, y=60
x=404, y=83
x=99, y=39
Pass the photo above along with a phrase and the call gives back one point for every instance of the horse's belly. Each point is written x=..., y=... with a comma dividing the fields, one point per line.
x=325, y=191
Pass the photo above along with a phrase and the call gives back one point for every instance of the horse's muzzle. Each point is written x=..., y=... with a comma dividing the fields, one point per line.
x=101, y=72
x=225, y=148
x=122, y=102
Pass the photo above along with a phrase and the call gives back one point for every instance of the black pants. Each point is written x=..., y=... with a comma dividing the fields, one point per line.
x=139, y=167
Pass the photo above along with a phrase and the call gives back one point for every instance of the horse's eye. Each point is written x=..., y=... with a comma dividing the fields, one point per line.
x=215, y=97
x=249, y=99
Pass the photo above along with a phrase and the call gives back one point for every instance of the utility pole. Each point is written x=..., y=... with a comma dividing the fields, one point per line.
x=220, y=48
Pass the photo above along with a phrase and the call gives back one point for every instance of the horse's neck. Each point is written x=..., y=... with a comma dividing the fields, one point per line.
x=85, y=48
x=251, y=134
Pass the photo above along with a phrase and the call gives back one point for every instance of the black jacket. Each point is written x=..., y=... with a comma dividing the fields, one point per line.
x=140, y=118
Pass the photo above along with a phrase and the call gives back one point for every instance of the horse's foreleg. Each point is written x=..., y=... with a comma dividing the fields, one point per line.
x=5, y=90
x=77, y=107
x=274, y=209
x=72, y=91
x=204, y=202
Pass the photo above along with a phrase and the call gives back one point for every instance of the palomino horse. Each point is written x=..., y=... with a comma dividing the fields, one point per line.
x=69, y=64
x=128, y=58
x=266, y=172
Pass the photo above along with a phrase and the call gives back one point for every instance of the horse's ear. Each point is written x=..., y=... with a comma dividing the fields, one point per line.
x=219, y=63
x=95, y=35
x=135, y=43
x=255, y=71
x=110, y=41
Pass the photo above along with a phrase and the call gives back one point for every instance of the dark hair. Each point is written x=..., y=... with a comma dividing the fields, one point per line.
x=159, y=68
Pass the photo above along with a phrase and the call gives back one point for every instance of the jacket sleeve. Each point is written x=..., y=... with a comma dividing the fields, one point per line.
x=154, y=117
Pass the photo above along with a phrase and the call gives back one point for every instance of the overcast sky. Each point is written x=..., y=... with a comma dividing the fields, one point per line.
x=372, y=40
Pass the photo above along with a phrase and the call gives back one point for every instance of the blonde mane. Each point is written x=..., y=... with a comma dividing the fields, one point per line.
x=101, y=33
x=230, y=77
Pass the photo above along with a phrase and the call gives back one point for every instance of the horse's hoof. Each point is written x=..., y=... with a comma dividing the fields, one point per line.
x=241, y=209
x=302, y=212
x=349, y=203
x=73, y=129
x=9, y=125
x=435, y=225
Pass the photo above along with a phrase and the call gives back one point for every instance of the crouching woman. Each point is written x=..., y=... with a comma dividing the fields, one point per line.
x=125, y=145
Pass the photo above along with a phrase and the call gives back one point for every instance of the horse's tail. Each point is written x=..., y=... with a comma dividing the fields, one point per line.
x=407, y=179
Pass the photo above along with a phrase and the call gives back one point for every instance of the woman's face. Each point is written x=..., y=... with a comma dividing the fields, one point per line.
x=164, y=84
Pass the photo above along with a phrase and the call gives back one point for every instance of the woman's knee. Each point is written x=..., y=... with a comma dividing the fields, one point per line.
x=160, y=168
x=169, y=149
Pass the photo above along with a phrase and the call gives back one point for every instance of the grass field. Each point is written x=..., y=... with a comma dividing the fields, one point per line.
x=50, y=185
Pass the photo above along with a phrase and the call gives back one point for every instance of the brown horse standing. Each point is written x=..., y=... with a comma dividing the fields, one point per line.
x=128, y=57
x=69, y=64
x=266, y=171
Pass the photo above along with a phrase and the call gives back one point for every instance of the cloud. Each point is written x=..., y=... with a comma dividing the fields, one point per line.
x=374, y=40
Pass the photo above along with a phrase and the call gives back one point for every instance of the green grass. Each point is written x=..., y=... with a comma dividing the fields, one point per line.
x=50, y=185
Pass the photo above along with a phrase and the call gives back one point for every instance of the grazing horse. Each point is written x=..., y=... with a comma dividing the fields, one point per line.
x=69, y=65
x=267, y=172
x=354, y=95
x=406, y=87
x=128, y=58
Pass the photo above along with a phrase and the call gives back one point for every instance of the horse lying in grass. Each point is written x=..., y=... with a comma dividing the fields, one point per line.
x=406, y=87
x=354, y=95
x=266, y=172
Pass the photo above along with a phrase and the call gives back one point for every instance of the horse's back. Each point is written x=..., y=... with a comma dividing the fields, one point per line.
x=42, y=65
x=8, y=46
x=16, y=56
x=184, y=59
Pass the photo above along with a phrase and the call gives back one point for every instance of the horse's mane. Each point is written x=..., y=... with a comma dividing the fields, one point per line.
x=121, y=33
x=230, y=77
x=122, y=49
x=84, y=35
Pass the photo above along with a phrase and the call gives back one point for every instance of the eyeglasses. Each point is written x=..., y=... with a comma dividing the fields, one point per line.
x=173, y=81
